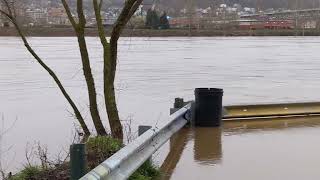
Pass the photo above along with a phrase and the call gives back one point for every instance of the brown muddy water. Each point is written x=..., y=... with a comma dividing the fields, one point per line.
x=259, y=149
x=152, y=72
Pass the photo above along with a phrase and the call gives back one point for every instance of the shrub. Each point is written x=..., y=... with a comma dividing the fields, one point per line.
x=29, y=172
x=98, y=150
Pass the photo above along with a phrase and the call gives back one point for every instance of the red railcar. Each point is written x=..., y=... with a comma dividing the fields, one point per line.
x=279, y=24
x=267, y=24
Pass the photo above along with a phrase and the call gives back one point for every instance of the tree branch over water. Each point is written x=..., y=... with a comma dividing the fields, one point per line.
x=10, y=16
x=110, y=53
x=69, y=14
x=79, y=29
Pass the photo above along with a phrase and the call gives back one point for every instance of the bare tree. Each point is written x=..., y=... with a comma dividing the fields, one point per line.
x=110, y=50
x=79, y=28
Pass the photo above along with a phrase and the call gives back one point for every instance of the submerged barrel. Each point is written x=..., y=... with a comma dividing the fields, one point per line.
x=208, y=107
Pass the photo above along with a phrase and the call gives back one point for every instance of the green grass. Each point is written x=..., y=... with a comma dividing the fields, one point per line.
x=101, y=148
x=146, y=172
x=98, y=150
x=29, y=172
x=103, y=144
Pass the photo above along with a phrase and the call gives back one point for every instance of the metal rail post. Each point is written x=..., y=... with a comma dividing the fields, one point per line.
x=78, y=162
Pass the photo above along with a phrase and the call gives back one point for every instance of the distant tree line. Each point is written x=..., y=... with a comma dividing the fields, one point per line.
x=153, y=20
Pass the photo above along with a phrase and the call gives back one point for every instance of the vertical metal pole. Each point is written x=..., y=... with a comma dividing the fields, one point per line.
x=78, y=163
x=143, y=129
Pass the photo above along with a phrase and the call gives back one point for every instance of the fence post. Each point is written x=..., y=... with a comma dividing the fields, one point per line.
x=143, y=129
x=178, y=104
x=78, y=162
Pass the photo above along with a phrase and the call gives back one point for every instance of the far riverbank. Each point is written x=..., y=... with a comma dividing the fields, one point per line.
x=68, y=32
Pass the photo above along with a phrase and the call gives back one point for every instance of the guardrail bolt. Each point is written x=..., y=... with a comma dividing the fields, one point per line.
x=208, y=107
x=78, y=162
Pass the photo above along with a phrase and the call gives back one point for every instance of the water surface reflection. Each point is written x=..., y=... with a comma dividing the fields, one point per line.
x=248, y=150
x=207, y=145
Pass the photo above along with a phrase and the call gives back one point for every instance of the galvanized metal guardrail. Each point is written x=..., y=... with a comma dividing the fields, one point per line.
x=126, y=161
x=271, y=110
x=205, y=111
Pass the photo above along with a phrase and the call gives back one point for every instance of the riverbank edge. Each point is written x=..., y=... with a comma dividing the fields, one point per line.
x=68, y=32
x=98, y=149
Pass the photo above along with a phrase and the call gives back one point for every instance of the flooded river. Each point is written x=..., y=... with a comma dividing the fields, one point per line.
x=152, y=72
x=278, y=149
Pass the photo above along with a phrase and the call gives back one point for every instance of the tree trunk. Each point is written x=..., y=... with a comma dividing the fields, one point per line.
x=110, y=60
x=113, y=115
x=90, y=85
x=109, y=93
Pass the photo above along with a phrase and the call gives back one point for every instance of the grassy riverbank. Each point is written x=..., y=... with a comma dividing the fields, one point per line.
x=98, y=150
x=68, y=32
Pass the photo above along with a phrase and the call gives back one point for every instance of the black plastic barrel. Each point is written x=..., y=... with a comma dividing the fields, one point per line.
x=208, y=107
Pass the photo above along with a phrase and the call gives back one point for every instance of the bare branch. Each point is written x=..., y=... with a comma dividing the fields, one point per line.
x=122, y=20
x=48, y=69
x=28, y=154
x=82, y=18
x=69, y=14
x=6, y=14
x=100, y=5
x=128, y=11
x=110, y=61
x=97, y=10
x=14, y=13
x=8, y=7
x=134, y=9
x=80, y=32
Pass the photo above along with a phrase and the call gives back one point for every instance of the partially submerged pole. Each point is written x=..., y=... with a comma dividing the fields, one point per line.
x=208, y=107
x=178, y=104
